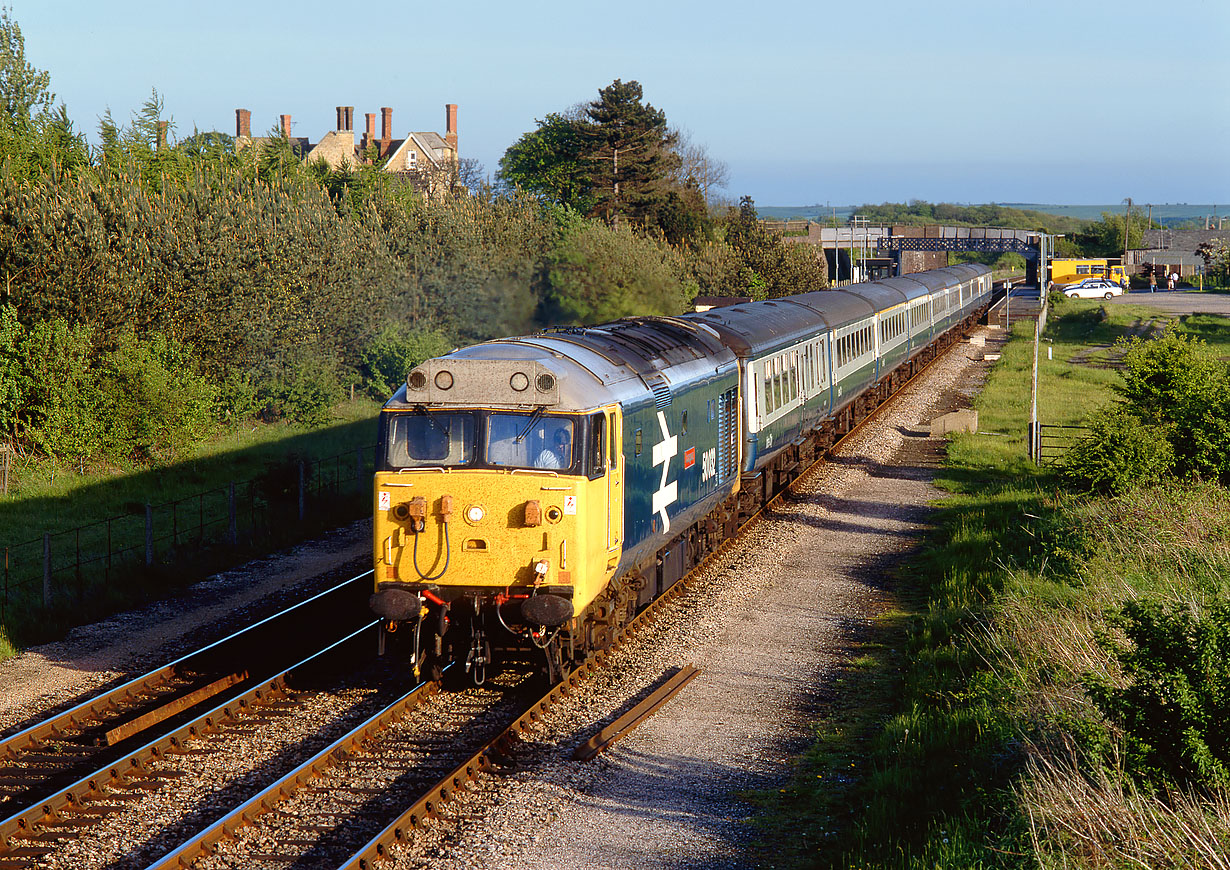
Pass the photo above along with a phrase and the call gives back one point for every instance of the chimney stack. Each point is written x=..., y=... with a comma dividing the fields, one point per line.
x=450, y=125
x=345, y=119
x=243, y=124
x=369, y=138
x=284, y=120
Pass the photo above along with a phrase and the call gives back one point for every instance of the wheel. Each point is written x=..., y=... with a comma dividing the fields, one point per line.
x=1107, y=295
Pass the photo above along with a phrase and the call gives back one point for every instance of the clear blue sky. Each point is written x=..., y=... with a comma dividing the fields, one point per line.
x=1061, y=101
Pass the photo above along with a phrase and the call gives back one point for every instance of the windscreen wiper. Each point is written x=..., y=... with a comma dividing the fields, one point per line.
x=534, y=418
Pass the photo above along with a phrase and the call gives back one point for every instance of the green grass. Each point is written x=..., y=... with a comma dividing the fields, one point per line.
x=960, y=735
x=262, y=460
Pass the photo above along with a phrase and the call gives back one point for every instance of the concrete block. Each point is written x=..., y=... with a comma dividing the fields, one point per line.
x=957, y=421
x=978, y=340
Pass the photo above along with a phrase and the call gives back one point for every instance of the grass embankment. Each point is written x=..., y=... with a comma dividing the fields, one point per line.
x=47, y=498
x=964, y=734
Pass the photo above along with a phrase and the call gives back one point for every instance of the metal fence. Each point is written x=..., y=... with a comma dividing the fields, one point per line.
x=1053, y=441
x=63, y=569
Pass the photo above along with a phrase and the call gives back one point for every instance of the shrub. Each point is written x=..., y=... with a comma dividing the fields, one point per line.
x=304, y=389
x=1174, y=708
x=1121, y=451
x=1177, y=382
x=152, y=402
x=393, y=351
x=599, y=274
x=61, y=410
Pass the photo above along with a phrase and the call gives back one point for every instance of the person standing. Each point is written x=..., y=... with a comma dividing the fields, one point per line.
x=1152, y=283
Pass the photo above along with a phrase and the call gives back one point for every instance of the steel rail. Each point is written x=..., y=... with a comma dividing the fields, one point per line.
x=202, y=843
x=630, y=721
x=88, y=712
x=40, y=822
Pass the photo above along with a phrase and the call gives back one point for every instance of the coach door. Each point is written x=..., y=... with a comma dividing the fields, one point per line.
x=614, y=485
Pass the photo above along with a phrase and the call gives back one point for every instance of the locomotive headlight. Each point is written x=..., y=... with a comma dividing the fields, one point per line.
x=474, y=513
x=541, y=566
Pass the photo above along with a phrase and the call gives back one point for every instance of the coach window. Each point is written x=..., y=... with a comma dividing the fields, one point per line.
x=596, y=454
x=614, y=452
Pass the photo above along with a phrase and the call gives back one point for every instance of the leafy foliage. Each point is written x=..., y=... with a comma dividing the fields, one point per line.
x=1173, y=419
x=1175, y=705
x=392, y=352
x=769, y=267
x=1121, y=451
x=597, y=274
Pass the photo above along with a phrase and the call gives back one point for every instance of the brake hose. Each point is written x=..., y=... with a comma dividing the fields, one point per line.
x=447, y=555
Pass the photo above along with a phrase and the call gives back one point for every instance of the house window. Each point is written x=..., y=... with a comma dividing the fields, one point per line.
x=412, y=159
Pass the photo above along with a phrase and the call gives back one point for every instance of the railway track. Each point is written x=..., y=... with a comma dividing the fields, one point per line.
x=63, y=774
x=358, y=799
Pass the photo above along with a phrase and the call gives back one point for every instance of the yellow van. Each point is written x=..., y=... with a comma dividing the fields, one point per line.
x=1069, y=270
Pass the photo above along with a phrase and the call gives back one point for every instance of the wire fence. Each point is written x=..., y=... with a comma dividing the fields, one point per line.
x=82, y=571
x=1055, y=440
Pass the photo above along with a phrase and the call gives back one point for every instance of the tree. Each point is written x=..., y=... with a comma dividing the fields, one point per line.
x=24, y=90
x=698, y=169
x=1216, y=256
x=548, y=162
x=612, y=158
x=769, y=267
x=629, y=153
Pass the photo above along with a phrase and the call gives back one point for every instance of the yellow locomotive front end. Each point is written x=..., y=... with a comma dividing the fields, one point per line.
x=497, y=512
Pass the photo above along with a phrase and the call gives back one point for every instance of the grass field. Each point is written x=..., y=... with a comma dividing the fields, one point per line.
x=964, y=735
x=97, y=520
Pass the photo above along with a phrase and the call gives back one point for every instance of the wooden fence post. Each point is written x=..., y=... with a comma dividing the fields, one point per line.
x=232, y=528
x=47, y=569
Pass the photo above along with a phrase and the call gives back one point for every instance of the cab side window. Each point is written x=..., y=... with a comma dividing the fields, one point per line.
x=595, y=454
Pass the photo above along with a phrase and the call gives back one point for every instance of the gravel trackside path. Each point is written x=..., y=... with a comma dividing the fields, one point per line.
x=767, y=624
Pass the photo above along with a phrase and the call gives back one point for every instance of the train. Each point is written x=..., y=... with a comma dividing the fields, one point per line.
x=533, y=493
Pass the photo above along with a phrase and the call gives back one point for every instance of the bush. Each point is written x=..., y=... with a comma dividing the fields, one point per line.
x=153, y=404
x=599, y=274
x=303, y=390
x=1174, y=710
x=1173, y=419
x=389, y=356
x=1121, y=451
x=1176, y=382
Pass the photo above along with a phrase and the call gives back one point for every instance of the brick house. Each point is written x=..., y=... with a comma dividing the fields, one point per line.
x=425, y=159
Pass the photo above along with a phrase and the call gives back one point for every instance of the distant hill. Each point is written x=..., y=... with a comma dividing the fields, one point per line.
x=1165, y=213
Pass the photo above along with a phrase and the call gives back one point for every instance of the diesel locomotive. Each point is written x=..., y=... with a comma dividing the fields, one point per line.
x=534, y=492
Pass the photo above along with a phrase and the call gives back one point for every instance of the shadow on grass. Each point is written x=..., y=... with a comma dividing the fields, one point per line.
x=104, y=552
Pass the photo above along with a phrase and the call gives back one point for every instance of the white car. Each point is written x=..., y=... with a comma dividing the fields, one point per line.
x=1092, y=288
